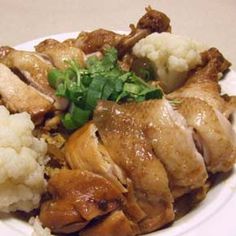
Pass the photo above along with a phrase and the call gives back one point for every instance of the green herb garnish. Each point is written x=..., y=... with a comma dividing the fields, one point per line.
x=101, y=79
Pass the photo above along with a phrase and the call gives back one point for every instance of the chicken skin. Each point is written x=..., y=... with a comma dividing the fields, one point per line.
x=127, y=145
x=172, y=142
x=60, y=53
x=19, y=97
x=216, y=135
x=111, y=226
x=33, y=69
x=78, y=197
x=84, y=144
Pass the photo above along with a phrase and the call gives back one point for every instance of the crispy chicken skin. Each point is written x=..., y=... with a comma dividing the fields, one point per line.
x=33, y=69
x=58, y=53
x=203, y=83
x=112, y=225
x=152, y=21
x=78, y=197
x=128, y=147
x=172, y=142
x=19, y=97
x=216, y=134
x=84, y=151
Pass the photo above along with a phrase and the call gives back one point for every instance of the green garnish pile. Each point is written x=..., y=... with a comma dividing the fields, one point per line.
x=101, y=79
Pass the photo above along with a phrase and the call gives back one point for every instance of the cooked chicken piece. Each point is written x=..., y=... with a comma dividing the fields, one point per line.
x=60, y=53
x=172, y=142
x=152, y=21
x=213, y=54
x=231, y=106
x=127, y=145
x=33, y=69
x=84, y=151
x=215, y=132
x=113, y=225
x=61, y=216
x=78, y=197
x=19, y=97
x=203, y=83
x=155, y=21
x=132, y=208
x=97, y=40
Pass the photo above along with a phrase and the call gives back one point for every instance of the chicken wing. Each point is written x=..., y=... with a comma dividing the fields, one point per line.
x=172, y=142
x=128, y=147
x=152, y=21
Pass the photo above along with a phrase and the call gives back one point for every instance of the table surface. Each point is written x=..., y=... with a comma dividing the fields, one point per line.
x=208, y=21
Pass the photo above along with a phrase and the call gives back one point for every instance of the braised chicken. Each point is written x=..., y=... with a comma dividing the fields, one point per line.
x=126, y=143
x=176, y=150
x=111, y=226
x=84, y=144
x=128, y=156
x=60, y=53
x=152, y=21
x=18, y=96
x=97, y=40
x=33, y=69
x=216, y=136
x=75, y=203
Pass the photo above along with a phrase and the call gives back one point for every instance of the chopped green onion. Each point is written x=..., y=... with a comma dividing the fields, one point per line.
x=101, y=79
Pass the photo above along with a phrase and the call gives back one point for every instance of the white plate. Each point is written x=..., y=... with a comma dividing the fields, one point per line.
x=213, y=216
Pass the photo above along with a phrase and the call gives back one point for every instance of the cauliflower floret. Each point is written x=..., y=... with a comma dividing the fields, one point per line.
x=171, y=55
x=21, y=176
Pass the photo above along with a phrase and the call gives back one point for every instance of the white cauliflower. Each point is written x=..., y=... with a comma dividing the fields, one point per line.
x=21, y=163
x=171, y=55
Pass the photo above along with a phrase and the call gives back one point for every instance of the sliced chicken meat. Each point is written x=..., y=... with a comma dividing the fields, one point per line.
x=78, y=197
x=112, y=225
x=19, y=97
x=84, y=151
x=127, y=145
x=33, y=69
x=216, y=135
x=60, y=53
x=172, y=141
